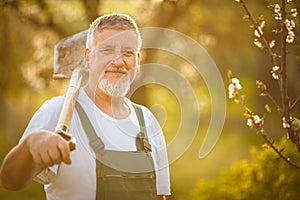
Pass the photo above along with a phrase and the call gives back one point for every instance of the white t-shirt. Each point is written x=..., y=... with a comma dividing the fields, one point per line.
x=78, y=180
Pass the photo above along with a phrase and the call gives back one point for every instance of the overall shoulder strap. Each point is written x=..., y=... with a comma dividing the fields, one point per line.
x=95, y=142
x=142, y=138
x=98, y=145
x=140, y=116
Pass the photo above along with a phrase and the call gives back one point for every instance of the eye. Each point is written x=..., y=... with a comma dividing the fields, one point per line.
x=129, y=52
x=108, y=51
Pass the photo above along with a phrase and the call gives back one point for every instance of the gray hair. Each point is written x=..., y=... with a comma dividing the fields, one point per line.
x=112, y=21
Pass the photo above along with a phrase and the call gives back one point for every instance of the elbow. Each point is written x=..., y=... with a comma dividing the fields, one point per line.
x=9, y=186
x=8, y=183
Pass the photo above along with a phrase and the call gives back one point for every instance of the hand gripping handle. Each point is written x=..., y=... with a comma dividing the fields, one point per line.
x=70, y=139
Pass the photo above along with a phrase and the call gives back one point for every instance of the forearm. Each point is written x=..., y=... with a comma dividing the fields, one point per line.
x=39, y=150
x=18, y=168
x=163, y=197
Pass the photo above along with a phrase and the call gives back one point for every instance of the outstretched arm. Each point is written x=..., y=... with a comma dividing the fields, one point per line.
x=39, y=150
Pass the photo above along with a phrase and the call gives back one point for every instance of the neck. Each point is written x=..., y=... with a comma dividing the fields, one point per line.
x=112, y=106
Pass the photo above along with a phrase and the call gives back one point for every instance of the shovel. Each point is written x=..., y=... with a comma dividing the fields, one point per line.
x=68, y=63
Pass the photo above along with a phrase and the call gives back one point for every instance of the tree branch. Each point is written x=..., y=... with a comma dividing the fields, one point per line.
x=295, y=103
x=33, y=19
x=283, y=83
x=263, y=38
x=273, y=100
x=268, y=140
x=283, y=78
x=265, y=135
x=91, y=9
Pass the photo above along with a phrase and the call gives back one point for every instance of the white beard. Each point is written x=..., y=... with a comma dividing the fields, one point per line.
x=115, y=89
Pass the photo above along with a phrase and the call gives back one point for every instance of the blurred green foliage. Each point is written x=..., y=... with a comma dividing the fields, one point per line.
x=29, y=30
x=264, y=177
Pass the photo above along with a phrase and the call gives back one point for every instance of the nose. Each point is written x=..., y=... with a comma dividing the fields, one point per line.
x=118, y=60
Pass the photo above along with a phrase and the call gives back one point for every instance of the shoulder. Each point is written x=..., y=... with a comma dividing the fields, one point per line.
x=145, y=110
x=54, y=103
x=149, y=117
x=45, y=117
x=51, y=106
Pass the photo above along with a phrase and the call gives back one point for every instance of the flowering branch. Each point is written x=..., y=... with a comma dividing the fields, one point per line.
x=279, y=71
x=260, y=85
x=259, y=34
x=253, y=120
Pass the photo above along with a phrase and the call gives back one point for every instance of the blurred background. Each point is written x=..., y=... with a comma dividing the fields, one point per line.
x=238, y=167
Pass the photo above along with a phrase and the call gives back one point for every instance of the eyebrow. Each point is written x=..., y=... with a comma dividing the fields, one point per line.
x=129, y=47
x=112, y=47
x=106, y=46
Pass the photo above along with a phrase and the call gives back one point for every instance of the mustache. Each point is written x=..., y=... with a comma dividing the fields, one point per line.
x=117, y=69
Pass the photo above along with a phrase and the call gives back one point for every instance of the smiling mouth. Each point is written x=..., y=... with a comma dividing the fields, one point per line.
x=115, y=72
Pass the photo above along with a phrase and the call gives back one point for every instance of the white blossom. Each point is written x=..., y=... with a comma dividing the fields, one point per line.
x=259, y=32
x=236, y=83
x=256, y=119
x=256, y=33
x=277, y=11
x=257, y=43
x=278, y=16
x=277, y=8
x=289, y=24
x=231, y=91
x=294, y=12
x=275, y=72
x=272, y=43
x=237, y=0
x=290, y=37
x=275, y=76
x=262, y=24
x=249, y=122
x=276, y=68
x=233, y=87
x=285, y=124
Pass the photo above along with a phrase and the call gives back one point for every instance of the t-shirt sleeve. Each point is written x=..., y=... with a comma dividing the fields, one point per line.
x=46, y=117
x=159, y=153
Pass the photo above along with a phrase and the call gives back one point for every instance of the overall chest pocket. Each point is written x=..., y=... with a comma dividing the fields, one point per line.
x=126, y=176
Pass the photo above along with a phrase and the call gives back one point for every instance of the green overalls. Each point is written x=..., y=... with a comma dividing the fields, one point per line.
x=122, y=175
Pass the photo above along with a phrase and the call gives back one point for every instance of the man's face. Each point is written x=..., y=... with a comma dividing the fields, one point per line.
x=113, y=59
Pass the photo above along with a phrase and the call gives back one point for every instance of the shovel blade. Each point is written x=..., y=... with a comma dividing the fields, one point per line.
x=68, y=55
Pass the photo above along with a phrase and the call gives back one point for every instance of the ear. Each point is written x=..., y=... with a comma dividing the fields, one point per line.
x=137, y=67
x=86, y=57
x=138, y=58
x=138, y=63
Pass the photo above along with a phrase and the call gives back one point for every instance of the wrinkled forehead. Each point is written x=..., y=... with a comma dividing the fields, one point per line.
x=115, y=38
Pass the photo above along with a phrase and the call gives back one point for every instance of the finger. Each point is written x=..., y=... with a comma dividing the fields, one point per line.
x=64, y=150
x=55, y=155
x=46, y=160
x=37, y=160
